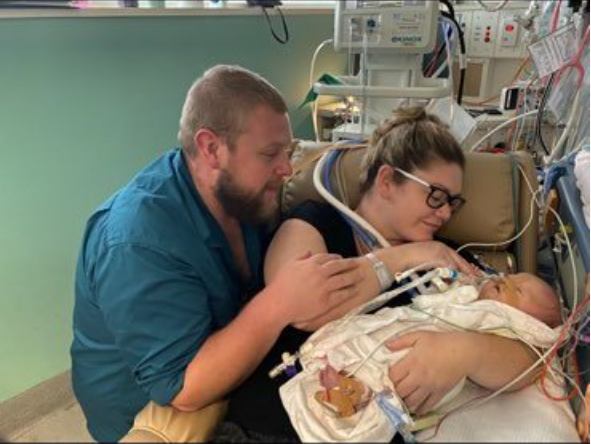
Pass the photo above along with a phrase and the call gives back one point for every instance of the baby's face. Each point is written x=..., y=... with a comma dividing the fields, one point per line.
x=527, y=293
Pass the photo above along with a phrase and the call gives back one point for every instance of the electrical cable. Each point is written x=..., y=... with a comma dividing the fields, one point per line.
x=428, y=72
x=555, y=16
x=463, y=54
x=363, y=115
x=576, y=107
x=522, y=123
x=576, y=389
x=449, y=6
x=542, y=108
x=522, y=102
x=449, y=48
x=501, y=126
x=562, y=227
x=450, y=75
x=285, y=38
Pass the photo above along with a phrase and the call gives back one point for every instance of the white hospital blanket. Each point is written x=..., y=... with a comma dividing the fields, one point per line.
x=344, y=346
x=582, y=179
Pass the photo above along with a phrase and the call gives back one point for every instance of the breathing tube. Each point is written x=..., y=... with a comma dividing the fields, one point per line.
x=365, y=232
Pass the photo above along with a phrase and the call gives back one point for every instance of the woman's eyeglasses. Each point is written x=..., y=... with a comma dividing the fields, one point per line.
x=437, y=196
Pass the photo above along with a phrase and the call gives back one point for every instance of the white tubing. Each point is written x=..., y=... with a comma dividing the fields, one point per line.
x=314, y=105
x=341, y=206
x=501, y=126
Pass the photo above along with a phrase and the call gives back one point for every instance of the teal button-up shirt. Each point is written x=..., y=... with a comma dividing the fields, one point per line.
x=155, y=278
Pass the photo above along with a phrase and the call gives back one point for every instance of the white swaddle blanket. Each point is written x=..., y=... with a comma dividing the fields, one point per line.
x=344, y=345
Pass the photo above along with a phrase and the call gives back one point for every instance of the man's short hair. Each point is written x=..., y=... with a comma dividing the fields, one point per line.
x=221, y=99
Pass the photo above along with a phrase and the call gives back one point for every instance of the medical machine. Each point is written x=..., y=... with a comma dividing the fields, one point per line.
x=390, y=38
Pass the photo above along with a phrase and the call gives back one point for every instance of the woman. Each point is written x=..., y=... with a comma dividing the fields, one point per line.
x=411, y=185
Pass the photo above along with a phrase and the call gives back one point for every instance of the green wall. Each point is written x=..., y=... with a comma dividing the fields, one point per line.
x=84, y=103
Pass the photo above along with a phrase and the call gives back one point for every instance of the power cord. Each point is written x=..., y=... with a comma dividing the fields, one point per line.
x=463, y=55
x=539, y=119
x=285, y=38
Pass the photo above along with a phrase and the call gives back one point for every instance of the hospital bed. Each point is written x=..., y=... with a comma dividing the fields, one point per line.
x=499, y=205
x=571, y=211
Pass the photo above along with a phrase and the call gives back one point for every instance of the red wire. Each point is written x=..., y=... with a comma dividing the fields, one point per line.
x=552, y=355
x=431, y=67
x=576, y=61
x=555, y=16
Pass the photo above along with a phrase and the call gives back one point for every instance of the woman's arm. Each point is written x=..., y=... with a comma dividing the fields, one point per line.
x=436, y=362
x=294, y=239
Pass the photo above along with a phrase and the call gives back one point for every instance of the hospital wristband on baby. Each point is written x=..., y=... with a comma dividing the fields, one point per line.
x=384, y=276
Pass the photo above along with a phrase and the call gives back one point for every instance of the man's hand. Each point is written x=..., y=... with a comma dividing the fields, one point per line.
x=310, y=286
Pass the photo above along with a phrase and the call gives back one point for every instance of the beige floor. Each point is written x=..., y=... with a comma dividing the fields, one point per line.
x=47, y=412
x=65, y=425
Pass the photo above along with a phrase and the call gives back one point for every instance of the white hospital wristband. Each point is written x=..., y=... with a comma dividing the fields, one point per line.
x=384, y=276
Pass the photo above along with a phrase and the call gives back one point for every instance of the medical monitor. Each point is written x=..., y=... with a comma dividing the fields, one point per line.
x=393, y=27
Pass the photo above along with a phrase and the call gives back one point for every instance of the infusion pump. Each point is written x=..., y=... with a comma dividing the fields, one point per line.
x=406, y=27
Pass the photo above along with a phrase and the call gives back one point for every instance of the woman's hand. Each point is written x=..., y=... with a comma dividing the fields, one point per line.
x=433, y=254
x=434, y=365
x=436, y=362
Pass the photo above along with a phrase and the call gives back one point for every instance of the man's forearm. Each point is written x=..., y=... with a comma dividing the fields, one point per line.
x=499, y=361
x=230, y=355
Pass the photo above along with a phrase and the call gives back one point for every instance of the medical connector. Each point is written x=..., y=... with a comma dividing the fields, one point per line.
x=401, y=421
x=288, y=365
x=445, y=279
x=440, y=278
x=382, y=272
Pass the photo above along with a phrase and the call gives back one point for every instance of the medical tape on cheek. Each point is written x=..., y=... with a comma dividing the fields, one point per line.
x=511, y=295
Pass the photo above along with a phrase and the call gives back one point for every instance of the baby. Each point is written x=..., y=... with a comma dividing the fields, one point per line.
x=336, y=396
x=523, y=291
x=527, y=293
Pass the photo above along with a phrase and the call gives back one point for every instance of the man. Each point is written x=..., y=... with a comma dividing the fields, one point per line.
x=167, y=308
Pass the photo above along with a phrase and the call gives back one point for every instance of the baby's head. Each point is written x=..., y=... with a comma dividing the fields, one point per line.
x=525, y=292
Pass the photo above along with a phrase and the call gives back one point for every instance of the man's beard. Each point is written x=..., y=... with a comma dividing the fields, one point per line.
x=244, y=206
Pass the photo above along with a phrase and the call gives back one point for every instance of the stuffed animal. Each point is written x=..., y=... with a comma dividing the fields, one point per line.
x=343, y=395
